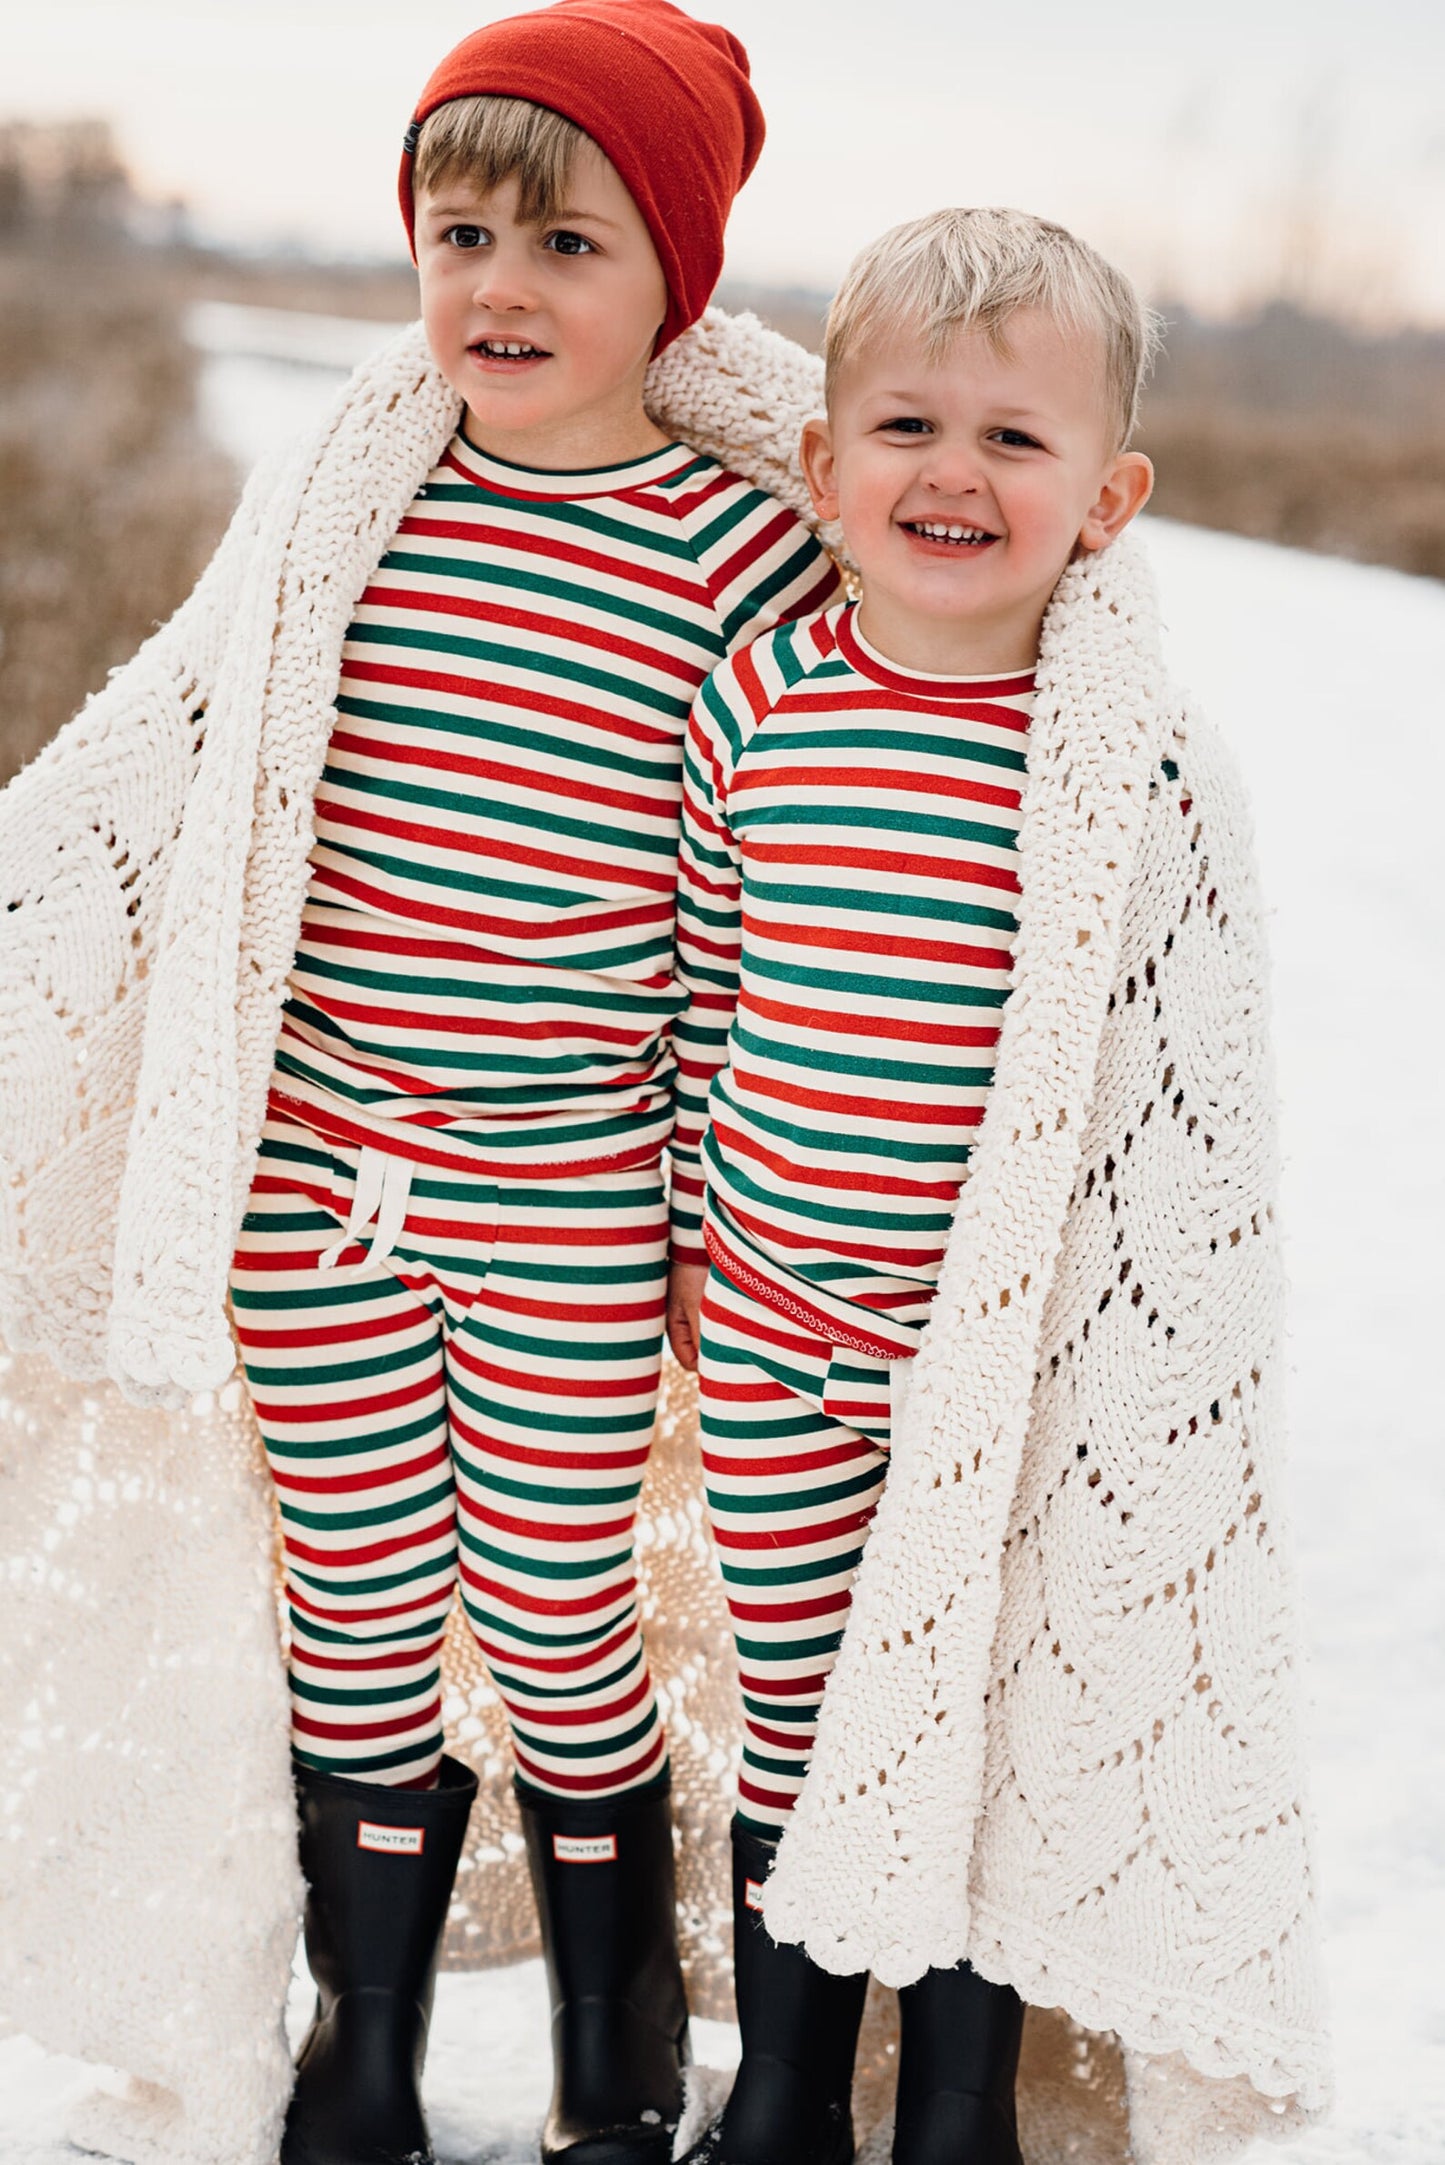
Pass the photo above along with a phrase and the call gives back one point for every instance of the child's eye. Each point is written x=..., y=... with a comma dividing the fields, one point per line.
x=566, y=243
x=467, y=237
x=906, y=424
x=1016, y=439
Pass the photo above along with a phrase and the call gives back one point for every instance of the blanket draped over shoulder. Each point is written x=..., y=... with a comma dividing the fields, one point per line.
x=1061, y=1738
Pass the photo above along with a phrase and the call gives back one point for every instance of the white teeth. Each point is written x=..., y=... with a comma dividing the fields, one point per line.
x=937, y=531
x=509, y=349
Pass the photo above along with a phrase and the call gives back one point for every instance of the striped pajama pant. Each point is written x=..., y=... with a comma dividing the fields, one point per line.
x=794, y=1451
x=458, y=1394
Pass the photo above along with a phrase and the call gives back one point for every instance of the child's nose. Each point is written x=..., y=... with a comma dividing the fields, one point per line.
x=953, y=470
x=501, y=283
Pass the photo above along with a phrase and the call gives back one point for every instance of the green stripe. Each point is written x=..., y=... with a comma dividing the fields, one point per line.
x=872, y=1068
x=619, y=837
x=882, y=818
x=954, y=994
x=563, y=592
x=788, y=733
x=551, y=747
x=793, y=894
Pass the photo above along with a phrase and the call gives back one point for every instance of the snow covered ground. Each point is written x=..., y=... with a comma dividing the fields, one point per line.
x=1308, y=665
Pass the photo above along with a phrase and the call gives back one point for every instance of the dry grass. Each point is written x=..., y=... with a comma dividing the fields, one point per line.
x=110, y=502
x=1342, y=488
x=1303, y=431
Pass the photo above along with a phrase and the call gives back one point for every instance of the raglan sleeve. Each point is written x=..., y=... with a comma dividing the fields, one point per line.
x=764, y=567
x=709, y=938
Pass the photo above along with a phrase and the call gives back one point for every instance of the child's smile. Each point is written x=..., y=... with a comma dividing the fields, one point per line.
x=931, y=534
x=507, y=357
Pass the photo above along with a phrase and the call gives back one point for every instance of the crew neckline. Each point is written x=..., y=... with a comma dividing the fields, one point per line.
x=510, y=479
x=857, y=651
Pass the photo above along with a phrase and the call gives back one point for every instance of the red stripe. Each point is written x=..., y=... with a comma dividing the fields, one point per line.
x=482, y=535
x=804, y=781
x=335, y=1128
x=798, y=1740
x=532, y=1716
x=304, y=1657
x=660, y=805
x=641, y=1038
x=343, y=1559
x=774, y=1686
x=963, y=688
x=548, y=1461
x=905, y=1029
x=515, y=1597
x=353, y=1406
x=775, y=1469
x=855, y=940
x=342, y=1618
x=428, y=1716
x=844, y=1105
x=537, y=1532
x=327, y=876
x=913, y=1260
x=545, y=628
x=355, y=1482
x=481, y=690
x=783, y=1168
x=538, y=1383
x=560, y=1665
x=904, y=867
x=619, y=1778
x=428, y=841
x=791, y=1537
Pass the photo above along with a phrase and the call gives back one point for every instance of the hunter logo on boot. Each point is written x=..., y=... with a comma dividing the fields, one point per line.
x=392, y=1841
x=585, y=1848
x=753, y=1895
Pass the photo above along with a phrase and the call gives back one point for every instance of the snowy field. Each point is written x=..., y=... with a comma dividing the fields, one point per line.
x=1294, y=657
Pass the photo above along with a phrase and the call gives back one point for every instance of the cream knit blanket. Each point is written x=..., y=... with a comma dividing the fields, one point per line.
x=1061, y=1735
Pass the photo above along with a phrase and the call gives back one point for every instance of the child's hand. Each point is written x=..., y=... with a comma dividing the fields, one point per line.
x=685, y=1282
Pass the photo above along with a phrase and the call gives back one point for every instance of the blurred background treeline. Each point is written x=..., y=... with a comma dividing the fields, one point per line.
x=1287, y=423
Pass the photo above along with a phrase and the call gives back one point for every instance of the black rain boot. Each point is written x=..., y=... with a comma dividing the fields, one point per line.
x=792, y=2102
x=605, y=1881
x=379, y=1865
x=957, y=2059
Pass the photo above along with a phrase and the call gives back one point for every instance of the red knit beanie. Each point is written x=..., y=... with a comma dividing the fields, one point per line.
x=667, y=98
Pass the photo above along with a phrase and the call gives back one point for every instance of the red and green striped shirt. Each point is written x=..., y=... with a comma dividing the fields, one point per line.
x=485, y=970
x=846, y=928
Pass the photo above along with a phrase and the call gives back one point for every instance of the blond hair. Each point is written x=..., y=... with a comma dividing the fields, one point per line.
x=963, y=270
x=488, y=140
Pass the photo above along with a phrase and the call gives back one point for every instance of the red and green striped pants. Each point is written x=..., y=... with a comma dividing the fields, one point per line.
x=471, y=1409
x=794, y=1448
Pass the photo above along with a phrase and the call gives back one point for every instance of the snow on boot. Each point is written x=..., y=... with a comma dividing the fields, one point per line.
x=957, y=2059
x=792, y=2102
x=605, y=1883
x=379, y=1865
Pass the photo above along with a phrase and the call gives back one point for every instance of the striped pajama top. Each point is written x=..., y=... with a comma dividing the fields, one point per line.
x=846, y=929
x=484, y=977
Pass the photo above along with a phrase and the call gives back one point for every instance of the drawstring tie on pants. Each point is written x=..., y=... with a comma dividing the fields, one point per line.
x=383, y=1188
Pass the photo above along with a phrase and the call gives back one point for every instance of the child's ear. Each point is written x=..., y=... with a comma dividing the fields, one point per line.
x=1126, y=490
x=815, y=455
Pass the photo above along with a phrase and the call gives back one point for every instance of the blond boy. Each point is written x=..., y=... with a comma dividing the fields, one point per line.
x=852, y=805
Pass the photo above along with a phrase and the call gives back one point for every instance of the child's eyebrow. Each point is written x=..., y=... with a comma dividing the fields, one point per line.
x=477, y=211
x=593, y=217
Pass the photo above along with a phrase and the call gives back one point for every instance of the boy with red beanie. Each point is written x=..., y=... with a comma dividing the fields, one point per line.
x=452, y=1276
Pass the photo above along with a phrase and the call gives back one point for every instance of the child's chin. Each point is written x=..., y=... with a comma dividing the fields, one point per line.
x=511, y=403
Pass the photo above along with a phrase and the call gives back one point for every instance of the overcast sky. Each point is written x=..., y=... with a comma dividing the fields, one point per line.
x=1204, y=145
